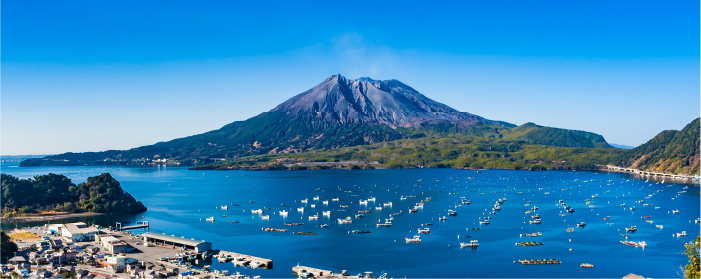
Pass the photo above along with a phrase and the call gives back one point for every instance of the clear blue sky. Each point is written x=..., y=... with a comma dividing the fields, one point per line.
x=97, y=75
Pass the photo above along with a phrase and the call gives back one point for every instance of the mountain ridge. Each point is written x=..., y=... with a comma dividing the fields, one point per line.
x=338, y=112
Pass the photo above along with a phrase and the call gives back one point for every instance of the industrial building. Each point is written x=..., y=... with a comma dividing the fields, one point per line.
x=76, y=232
x=198, y=246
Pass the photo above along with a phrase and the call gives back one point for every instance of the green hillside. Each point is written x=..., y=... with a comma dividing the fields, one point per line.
x=669, y=152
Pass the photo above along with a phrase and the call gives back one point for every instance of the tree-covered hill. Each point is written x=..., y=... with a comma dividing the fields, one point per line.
x=55, y=192
x=669, y=152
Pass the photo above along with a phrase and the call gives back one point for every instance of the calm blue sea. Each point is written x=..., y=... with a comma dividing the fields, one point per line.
x=179, y=200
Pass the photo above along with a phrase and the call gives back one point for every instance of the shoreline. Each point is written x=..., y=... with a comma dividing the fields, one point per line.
x=24, y=219
x=679, y=178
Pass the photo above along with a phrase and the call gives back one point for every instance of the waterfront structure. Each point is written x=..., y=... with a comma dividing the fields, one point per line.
x=112, y=244
x=169, y=240
x=77, y=232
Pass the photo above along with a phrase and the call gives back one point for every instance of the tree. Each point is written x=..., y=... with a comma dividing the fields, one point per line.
x=691, y=270
x=7, y=247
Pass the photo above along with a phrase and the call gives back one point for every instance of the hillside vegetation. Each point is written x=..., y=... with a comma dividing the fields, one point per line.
x=55, y=192
x=459, y=152
x=669, y=152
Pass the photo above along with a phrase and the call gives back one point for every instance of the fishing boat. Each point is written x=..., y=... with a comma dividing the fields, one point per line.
x=442, y=218
x=301, y=209
x=324, y=226
x=675, y=211
x=424, y=230
x=314, y=217
x=372, y=199
x=415, y=239
x=536, y=221
x=387, y=223
x=586, y=265
x=348, y=220
x=224, y=207
x=326, y=213
x=305, y=200
x=359, y=231
x=466, y=202
x=363, y=202
x=265, y=217
x=631, y=229
x=452, y=213
x=325, y=202
x=413, y=210
x=485, y=222
x=472, y=244
x=335, y=199
x=387, y=204
x=315, y=198
x=209, y=219
x=659, y=226
x=240, y=261
x=581, y=225
x=359, y=216
x=683, y=233
x=283, y=213
x=313, y=205
x=259, y=211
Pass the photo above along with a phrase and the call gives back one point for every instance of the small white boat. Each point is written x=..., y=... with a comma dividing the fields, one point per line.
x=225, y=207
x=348, y=220
x=675, y=211
x=372, y=199
x=387, y=204
x=265, y=217
x=442, y=218
x=325, y=202
x=325, y=226
x=326, y=213
x=415, y=239
x=363, y=202
x=378, y=208
x=452, y=213
x=315, y=198
x=335, y=199
x=631, y=229
x=314, y=217
x=683, y=233
x=209, y=219
x=240, y=261
x=581, y=225
x=301, y=209
x=305, y=200
x=424, y=230
x=472, y=244
x=485, y=222
x=255, y=264
x=537, y=221
x=313, y=205
x=259, y=211
x=283, y=213
x=387, y=223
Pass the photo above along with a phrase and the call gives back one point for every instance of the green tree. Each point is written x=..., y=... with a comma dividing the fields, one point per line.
x=7, y=247
x=691, y=270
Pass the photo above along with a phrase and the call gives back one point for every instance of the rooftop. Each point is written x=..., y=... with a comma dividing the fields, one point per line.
x=78, y=228
x=174, y=239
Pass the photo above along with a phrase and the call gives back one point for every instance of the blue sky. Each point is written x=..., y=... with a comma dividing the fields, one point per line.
x=97, y=75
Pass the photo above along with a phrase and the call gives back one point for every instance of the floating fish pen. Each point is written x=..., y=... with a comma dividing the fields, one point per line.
x=294, y=224
x=529, y=243
x=306, y=233
x=540, y=261
x=274, y=230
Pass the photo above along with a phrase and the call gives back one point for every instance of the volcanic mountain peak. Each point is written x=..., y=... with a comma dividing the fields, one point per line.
x=364, y=100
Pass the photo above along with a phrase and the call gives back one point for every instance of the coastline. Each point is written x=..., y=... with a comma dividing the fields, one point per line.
x=47, y=217
x=680, y=178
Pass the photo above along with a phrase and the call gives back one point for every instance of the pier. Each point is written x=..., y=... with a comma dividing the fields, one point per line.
x=314, y=272
x=139, y=225
x=265, y=263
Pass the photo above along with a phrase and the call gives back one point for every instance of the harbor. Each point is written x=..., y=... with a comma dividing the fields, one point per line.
x=573, y=232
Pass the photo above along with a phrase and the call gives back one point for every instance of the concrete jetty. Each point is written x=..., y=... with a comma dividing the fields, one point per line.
x=314, y=272
x=265, y=263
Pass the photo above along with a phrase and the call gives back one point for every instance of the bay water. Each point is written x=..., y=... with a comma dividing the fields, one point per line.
x=179, y=200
